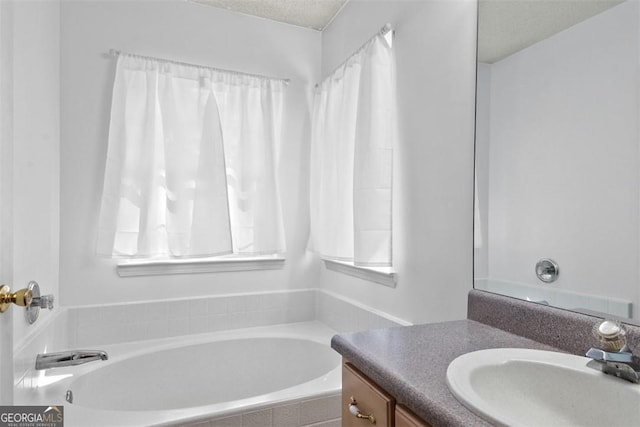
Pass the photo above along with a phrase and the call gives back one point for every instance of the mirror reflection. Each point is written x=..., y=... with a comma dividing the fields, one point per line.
x=557, y=157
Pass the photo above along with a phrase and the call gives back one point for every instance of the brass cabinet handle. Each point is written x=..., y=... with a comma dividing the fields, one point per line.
x=353, y=409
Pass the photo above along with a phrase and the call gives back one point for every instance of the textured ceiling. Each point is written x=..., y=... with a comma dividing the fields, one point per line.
x=507, y=26
x=315, y=14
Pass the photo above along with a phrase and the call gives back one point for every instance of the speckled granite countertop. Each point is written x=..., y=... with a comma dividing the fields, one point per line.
x=411, y=363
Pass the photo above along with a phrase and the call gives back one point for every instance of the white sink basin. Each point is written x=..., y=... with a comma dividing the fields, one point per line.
x=523, y=387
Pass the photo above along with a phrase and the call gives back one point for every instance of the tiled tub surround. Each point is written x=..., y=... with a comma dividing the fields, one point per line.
x=411, y=363
x=143, y=325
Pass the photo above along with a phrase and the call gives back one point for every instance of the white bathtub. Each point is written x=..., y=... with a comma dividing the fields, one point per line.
x=193, y=378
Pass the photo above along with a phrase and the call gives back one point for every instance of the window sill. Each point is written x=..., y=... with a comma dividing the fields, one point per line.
x=384, y=276
x=155, y=268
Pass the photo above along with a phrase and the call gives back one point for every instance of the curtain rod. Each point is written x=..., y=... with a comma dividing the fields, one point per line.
x=386, y=28
x=115, y=52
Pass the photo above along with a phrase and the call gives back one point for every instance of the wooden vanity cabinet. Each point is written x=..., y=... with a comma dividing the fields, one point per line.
x=406, y=418
x=370, y=399
x=375, y=406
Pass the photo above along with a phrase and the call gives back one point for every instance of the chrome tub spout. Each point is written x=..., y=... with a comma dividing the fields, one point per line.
x=68, y=358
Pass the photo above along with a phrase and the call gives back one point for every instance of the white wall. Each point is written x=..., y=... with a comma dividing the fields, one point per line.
x=433, y=165
x=435, y=44
x=564, y=158
x=191, y=33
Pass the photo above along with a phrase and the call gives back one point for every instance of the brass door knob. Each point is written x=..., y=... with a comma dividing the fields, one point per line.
x=23, y=297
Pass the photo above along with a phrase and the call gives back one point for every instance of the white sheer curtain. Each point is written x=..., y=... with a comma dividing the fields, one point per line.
x=190, y=163
x=251, y=116
x=353, y=134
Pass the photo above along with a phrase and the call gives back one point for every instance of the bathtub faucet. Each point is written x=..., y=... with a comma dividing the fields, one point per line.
x=68, y=358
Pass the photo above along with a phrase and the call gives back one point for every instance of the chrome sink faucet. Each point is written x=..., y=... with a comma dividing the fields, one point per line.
x=615, y=358
x=68, y=358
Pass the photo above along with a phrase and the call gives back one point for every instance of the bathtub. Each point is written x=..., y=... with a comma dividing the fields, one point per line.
x=195, y=378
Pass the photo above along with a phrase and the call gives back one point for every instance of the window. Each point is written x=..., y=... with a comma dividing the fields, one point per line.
x=190, y=165
x=354, y=130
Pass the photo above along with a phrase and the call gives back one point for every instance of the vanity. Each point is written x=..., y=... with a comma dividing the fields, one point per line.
x=373, y=404
x=398, y=375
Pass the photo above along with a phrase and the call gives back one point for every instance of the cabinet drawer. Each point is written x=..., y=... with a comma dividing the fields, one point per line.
x=370, y=400
x=406, y=418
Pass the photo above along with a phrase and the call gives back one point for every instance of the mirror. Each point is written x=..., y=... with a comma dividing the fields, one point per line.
x=557, y=158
